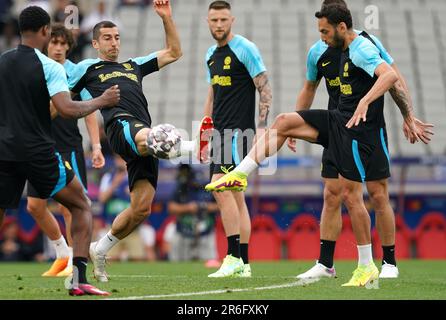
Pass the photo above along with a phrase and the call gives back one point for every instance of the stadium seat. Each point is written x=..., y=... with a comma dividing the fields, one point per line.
x=403, y=240
x=266, y=239
x=430, y=237
x=302, y=238
x=346, y=245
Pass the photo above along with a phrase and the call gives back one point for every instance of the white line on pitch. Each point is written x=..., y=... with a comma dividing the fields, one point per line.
x=184, y=276
x=202, y=293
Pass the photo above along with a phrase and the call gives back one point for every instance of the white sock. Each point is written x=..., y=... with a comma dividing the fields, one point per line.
x=365, y=255
x=187, y=147
x=61, y=247
x=247, y=166
x=106, y=243
x=70, y=261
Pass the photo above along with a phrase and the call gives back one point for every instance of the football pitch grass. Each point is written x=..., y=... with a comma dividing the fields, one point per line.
x=419, y=280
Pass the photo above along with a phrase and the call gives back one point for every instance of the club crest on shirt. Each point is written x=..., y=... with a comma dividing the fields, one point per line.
x=346, y=67
x=228, y=62
x=127, y=66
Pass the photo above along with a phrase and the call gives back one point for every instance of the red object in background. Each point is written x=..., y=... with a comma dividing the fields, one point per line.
x=266, y=239
x=346, y=245
x=430, y=237
x=163, y=246
x=302, y=238
x=221, y=239
x=403, y=239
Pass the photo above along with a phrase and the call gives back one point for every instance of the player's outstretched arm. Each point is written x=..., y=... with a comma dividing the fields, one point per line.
x=68, y=108
x=386, y=80
x=414, y=129
x=172, y=52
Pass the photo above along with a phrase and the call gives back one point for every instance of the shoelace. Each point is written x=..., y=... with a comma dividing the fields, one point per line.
x=225, y=170
x=358, y=273
x=101, y=262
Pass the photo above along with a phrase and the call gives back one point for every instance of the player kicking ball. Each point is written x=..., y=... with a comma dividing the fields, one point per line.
x=129, y=126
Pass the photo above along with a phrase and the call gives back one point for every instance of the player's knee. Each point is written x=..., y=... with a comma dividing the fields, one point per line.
x=379, y=199
x=281, y=123
x=141, y=210
x=36, y=209
x=332, y=196
x=351, y=199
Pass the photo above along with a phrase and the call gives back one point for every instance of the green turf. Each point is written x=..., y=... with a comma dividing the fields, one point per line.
x=418, y=280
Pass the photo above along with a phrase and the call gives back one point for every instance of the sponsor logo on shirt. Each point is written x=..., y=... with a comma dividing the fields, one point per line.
x=222, y=81
x=118, y=74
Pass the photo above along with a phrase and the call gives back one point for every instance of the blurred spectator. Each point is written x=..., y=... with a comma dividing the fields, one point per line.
x=101, y=13
x=142, y=3
x=59, y=14
x=5, y=9
x=195, y=219
x=10, y=37
x=114, y=194
x=44, y=4
x=13, y=248
x=99, y=228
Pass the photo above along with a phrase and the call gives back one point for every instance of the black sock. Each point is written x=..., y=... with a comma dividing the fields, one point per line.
x=234, y=246
x=244, y=252
x=80, y=270
x=327, y=253
x=389, y=255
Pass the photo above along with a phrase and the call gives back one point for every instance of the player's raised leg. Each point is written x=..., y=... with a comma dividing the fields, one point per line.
x=126, y=222
x=285, y=126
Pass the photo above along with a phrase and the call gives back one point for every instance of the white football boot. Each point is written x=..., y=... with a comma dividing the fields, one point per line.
x=318, y=271
x=389, y=271
x=99, y=262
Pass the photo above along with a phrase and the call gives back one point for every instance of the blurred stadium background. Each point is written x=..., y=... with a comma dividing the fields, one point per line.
x=286, y=206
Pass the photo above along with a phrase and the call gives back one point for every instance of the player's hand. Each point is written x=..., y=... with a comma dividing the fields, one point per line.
x=162, y=8
x=292, y=144
x=416, y=130
x=97, y=159
x=111, y=96
x=359, y=115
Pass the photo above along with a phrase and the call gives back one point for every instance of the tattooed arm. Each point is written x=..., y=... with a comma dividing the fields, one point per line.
x=266, y=97
x=414, y=129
